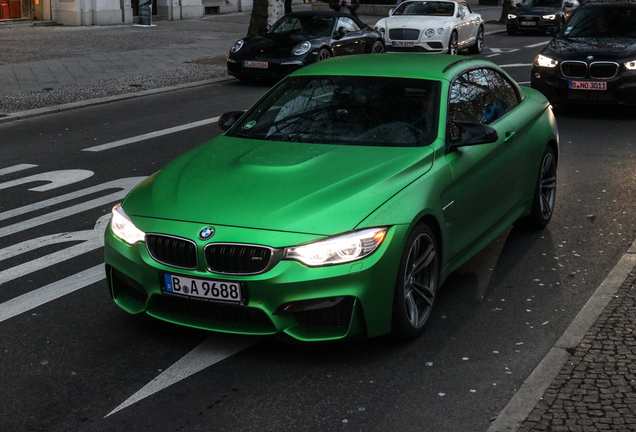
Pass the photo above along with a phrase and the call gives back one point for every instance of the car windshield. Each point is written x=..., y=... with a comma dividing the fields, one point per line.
x=346, y=110
x=542, y=3
x=431, y=8
x=306, y=25
x=603, y=22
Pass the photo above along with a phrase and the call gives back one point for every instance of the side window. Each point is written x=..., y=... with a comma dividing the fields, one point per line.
x=348, y=24
x=481, y=95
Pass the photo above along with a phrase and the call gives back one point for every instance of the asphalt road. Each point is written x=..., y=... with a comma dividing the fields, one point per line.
x=71, y=360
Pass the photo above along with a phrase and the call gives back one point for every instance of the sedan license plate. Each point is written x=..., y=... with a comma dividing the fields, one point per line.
x=588, y=85
x=403, y=44
x=205, y=289
x=528, y=23
x=255, y=64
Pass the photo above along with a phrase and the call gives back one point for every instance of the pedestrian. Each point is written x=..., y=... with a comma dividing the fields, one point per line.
x=345, y=6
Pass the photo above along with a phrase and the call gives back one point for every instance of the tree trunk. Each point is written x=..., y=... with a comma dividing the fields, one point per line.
x=507, y=6
x=264, y=13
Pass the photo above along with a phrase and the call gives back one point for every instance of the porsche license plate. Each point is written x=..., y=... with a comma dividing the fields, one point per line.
x=588, y=85
x=403, y=44
x=206, y=289
x=255, y=64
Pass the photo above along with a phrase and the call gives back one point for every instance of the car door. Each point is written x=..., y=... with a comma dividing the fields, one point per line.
x=351, y=42
x=485, y=191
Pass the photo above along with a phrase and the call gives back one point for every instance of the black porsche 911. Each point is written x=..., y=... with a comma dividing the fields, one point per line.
x=593, y=58
x=298, y=39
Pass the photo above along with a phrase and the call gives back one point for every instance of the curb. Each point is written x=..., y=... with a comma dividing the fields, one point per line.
x=531, y=392
x=22, y=115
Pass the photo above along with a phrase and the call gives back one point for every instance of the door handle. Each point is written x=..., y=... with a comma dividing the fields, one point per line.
x=509, y=136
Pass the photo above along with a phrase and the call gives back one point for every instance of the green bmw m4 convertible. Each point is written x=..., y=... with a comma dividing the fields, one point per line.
x=338, y=203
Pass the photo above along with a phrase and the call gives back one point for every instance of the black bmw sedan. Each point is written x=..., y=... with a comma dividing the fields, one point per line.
x=540, y=16
x=593, y=58
x=298, y=39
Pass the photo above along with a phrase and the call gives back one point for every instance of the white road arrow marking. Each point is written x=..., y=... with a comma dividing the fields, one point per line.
x=15, y=168
x=56, y=179
x=217, y=347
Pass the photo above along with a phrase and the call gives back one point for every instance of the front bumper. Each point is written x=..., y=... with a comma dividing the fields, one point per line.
x=308, y=304
x=621, y=89
x=529, y=23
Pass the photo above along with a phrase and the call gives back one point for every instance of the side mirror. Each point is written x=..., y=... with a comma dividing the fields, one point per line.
x=340, y=32
x=228, y=119
x=469, y=133
x=391, y=11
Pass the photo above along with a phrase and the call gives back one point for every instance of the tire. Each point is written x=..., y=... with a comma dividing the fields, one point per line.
x=544, y=193
x=453, y=44
x=323, y=54
x=416, y=284
x=479, y=42
x=377, y=48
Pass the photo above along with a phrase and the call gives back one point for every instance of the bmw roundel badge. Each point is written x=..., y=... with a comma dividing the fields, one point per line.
x=206, y=233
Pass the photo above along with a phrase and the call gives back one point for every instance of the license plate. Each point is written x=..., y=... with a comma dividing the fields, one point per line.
x=528, y=23
x=205, y=289
x=255, y=64
x=403, y=44
x=588, y=85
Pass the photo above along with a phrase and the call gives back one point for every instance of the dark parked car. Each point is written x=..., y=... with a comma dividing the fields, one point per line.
x=593, y=58
x=298, y=39
x=540, y=16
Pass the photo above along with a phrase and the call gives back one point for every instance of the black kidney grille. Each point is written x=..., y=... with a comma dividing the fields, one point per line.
x=172, y=251
x=574, y=69
x=404, y=34
x=237, y=258
x=603, y=70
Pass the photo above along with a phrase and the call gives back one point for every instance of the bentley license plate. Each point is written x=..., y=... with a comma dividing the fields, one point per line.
x=255, y=64
x=403, y=44
x=588, y=85
x=206, y=289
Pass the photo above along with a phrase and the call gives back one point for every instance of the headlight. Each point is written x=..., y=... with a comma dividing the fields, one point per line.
x=237, y=46
x=338, y=250
x=543, y=61
x=440, y=30
x=511, y=16
x=429, y=33
x=382, y=30
x=123, y=228
x=301, y=48
x=549, y=17
x=630, y=65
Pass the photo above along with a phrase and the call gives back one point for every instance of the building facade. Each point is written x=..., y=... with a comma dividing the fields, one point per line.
x=110, y=12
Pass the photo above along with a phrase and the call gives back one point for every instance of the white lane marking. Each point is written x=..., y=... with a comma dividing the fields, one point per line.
x=537, y=44
x=91, y=240
x=516, y=65
x=496, y=50
x=125, y=184
x=217, y=347
x=15, y=168
x=69, y=211
x=493, y=55
x=50, y=292
x=56, y=179
x=523, y=82
x=150, y=135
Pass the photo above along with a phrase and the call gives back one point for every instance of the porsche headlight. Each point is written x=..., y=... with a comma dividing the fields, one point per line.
x=302, y=48
x=630, y=65
x=511, y=16
x=123, y=228
x=338, y=250
x=543, y=61
x=429, y=33
x=549, y=17
x=237, y=46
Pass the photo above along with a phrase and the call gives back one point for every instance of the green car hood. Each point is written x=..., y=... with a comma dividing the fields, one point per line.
x=296, y=187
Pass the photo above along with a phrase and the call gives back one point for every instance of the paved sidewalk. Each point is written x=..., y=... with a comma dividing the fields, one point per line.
x=51, y=66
